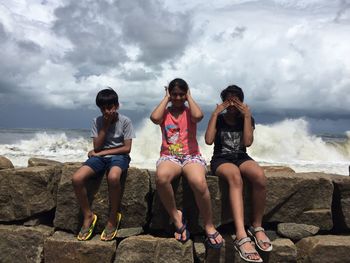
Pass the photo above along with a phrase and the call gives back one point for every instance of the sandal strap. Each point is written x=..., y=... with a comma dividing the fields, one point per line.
x=214, y=235
x=181, y=229
x=256, y=229
x=242, y=241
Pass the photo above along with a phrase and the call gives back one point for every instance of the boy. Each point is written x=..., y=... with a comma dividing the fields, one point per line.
x=112, y=135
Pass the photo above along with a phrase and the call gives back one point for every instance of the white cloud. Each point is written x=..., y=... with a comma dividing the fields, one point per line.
x=286, y=55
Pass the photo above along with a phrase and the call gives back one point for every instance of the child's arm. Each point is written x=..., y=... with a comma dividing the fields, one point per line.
x=125, y=149
x=211, y=129
x=247, y=128
x=98, y=141
x=196, y=112
x=158, y=113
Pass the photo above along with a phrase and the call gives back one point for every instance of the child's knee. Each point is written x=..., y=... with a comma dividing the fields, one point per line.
x=162, y=178
x=260, y=180
x=235, y=180
x=114, y=179
x=78, y=179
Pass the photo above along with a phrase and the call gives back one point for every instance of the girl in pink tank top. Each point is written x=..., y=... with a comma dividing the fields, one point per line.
x=180, y=155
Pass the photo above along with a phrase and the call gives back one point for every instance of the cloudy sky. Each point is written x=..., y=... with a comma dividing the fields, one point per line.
x=290, y=57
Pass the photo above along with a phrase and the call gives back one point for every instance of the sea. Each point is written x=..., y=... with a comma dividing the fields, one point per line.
x=286, y=143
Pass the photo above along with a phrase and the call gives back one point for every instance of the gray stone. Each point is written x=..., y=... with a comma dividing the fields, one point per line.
x=5, y=163
x=64, y=247
x=128, y=232
x=150, y=249
x=42, y=162
x=134, y=203
x=323, y=249
x=284, y=251
x=341, y=201
x=23, y=244
x=296, y=231
x=300, y=198
x=279, y=169
x=292, y=197
x=27, y=191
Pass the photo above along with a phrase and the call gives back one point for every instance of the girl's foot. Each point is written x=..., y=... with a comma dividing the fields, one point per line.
x=181, y=233
x=261, y=239
x=214, y=239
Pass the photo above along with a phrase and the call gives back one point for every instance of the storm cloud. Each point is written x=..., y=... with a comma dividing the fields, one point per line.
x=290, y=57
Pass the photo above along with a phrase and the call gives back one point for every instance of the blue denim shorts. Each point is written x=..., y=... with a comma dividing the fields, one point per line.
x=101, y=164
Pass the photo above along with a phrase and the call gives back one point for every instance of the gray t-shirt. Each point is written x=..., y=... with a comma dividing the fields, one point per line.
x=116, y=134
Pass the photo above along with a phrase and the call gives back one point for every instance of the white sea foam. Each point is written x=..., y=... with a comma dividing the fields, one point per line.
x=286, y=143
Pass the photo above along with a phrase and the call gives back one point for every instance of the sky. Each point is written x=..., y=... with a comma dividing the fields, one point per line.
x=291, y=58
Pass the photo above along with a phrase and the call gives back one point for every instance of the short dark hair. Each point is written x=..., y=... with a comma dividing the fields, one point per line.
x=233, y=90
x=180, y=83
x=107, y=97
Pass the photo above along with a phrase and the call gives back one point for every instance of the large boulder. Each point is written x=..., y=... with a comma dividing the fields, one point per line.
x=64, y=247
x=27, y=191
x=341, y=202
x=304, y=198
x=284, y=251
x=134, y=204
x=5, y=163
x=292, y=197
x=296, y=231
x=154, y=249
x=323, y=249
x=23, y=244
x=42, y=162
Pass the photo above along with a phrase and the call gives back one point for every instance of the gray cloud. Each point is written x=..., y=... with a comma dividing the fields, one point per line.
x=160, y=34
x=100, y=33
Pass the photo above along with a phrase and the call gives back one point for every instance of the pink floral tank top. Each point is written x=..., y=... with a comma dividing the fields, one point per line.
x=179, y=135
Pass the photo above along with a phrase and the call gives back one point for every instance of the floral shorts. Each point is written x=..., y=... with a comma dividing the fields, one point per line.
x=182, y=160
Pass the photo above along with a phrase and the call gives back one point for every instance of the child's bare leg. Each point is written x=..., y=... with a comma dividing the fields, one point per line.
x=195, y=174
x=167, y=171
x=231, y=174
x=255, y=174
x=79, y=179
x=114, y=190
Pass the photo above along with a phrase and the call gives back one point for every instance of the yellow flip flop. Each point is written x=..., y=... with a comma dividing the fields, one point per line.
x=109, y=234
x=86, y=232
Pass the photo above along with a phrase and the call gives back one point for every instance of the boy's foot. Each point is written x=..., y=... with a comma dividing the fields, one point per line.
x=86, y=231
x=181, y=232
x=110, y=231
x=260, y=238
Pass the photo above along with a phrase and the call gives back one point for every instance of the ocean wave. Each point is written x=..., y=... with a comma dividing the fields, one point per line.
x=288, y=142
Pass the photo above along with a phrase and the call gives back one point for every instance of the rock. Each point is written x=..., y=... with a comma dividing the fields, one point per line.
x=63, y=247
x=284, y=251
x=42, y=162
x=128, y=232
x=271, y=169
x=225, y=254
x=323, y=249
x=150, y=249
x=5, y=163
x=341, y=202
x=23, y=244
x=27, y=191
x=134, y=204
x=300, y=198
x=292, y=197
x=296, y=231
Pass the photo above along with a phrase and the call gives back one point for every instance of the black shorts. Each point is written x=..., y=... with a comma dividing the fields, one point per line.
x=236, y=159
